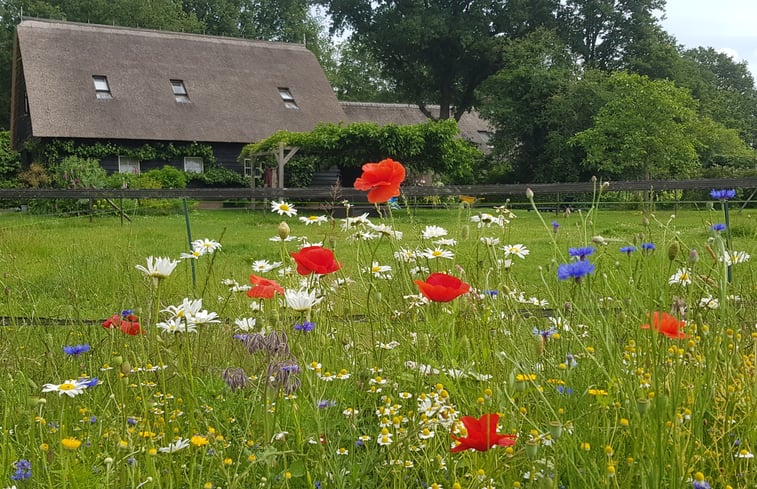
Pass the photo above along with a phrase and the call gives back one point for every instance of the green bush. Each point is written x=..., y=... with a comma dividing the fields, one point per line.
x=168, y=176
x=217, y=177
x=75, y=172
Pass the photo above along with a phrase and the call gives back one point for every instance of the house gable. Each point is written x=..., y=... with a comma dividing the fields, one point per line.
x=102, y=82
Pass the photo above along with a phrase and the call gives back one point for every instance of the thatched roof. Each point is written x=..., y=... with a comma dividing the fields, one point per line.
x=232, y=84
x=472, y=127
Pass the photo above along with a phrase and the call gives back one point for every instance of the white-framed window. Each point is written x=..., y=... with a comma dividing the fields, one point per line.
x=247, y=167
x=180, y=91
x=128, y=165
x=102, y=88
x=193, y=164
x=288, y=98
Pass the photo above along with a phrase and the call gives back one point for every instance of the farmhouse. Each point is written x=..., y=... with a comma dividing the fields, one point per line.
x=125, y=88
x=140, y=99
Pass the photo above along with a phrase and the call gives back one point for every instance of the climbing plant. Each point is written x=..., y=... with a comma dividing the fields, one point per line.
x=430, y=146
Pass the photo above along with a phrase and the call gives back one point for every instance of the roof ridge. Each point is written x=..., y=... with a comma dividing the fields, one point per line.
x=118, y=29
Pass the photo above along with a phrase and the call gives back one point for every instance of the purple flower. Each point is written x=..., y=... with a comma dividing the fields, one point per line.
x=23, y=470
x=75, y=350
x=722, y=194
x=718, y=227
x=627, y=249
x=648, y=247
x=576, y=270
x=581, y=253
x=325, y=403
x=555, y=226
x=701, y=484
x=89, y=383
x=305, y=327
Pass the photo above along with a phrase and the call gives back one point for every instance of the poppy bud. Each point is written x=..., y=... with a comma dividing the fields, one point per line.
x=555, y=429
x=532, y=447
x=529, y=194
x=126, y=368
x=693, y=256
x=465, y=232
x=645, y=221
x=642, y=405
x=283, y=230
x=673, y=250
x=118, y=360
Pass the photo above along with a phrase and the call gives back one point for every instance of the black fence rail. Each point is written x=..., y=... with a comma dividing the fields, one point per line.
x=327, y=193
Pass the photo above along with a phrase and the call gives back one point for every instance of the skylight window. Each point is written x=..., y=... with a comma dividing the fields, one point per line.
x=288, y=98
x=180, y=91
x=102, y=89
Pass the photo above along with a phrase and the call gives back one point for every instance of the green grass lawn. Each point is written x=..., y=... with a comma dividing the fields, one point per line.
x=368, y=387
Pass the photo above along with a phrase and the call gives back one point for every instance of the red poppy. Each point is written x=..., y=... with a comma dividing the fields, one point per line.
x=667, y=325
x=315, y=259
x=441, y=287
x=382, y=180
x=482, y=434
x=128, y=323
x=263, y=288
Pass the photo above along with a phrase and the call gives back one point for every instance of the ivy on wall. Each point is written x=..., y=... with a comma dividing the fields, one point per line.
x=52, y=152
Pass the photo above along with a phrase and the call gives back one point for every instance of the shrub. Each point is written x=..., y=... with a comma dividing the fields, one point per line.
x=168, y=176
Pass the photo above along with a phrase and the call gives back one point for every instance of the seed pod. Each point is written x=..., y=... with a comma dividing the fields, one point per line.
x=673, y=250
x=283, y=230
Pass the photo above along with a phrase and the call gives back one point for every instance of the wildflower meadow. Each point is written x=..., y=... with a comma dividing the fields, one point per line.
x=467, y=347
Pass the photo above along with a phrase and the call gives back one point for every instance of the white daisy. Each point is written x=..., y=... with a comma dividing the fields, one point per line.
x=363, y=236
x=283, y=208
x=405, y=255
x=278, y=238
x=355, y=222
x=489, y=241
x=158, y=267
x=245, y=324
x=709, y=302
x=518, y=250
x=437, y=253
x=385, y=230
x=314, y=220
x=264, y=266
x=445, y=242
x=302, y=299
x=192, y=255
x=379, y=271
x=187, y=309
x=681, y=277
x=179, y=444
x=206, y=246
x=431, y=232
x=176, y=325
x=71, y=388
x=734, y=257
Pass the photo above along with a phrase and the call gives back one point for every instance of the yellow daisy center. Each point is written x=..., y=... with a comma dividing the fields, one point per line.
x=67, y=387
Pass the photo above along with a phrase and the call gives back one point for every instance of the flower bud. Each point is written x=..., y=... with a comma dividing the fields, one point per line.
x=693, y=256
x=673, y=250
x=532, y=448
x=529, y=194
x=642, y=405
x=283, y=230
x=555, y=429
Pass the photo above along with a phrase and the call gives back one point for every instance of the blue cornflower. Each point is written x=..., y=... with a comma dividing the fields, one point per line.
x=325, y=403
x=627, y=249
x=718, y=227
x=89, y=383
x=545, y=333
x=564, y=390
x=555, y=226
x=131, y=421
x=581, y=253
x=703, y=484
x=75, y=350
x=305, y=326
x=23, y=470
x=648, y=247
x=722, y=194
x=576, y=270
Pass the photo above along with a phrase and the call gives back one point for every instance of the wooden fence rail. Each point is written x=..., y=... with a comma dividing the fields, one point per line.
x=327, y=193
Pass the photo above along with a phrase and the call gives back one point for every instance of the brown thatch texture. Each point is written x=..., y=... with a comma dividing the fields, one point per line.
x=232, y=84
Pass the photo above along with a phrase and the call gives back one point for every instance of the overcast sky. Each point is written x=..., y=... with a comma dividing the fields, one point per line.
x=729, y=26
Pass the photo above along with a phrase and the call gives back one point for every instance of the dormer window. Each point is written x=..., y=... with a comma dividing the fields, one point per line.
x=288, y=99
x=102, y=89
x=180, y=91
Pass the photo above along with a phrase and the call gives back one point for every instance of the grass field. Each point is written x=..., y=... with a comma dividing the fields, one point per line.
x=368, y=386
